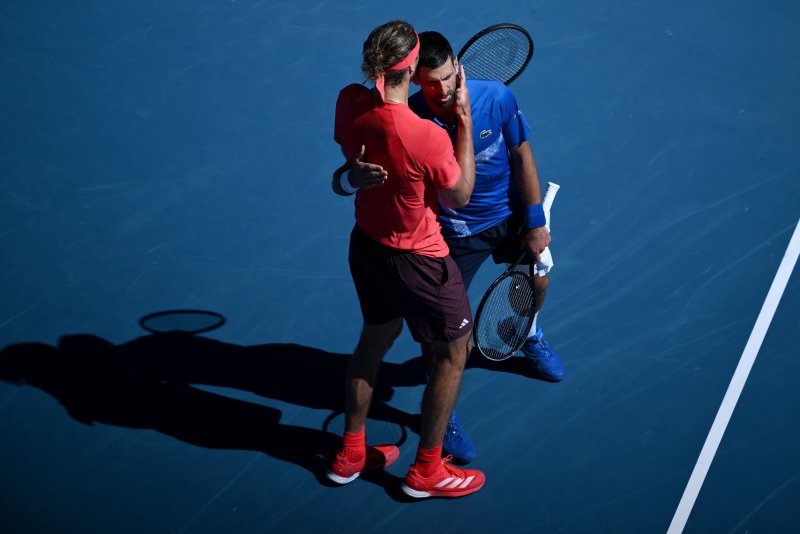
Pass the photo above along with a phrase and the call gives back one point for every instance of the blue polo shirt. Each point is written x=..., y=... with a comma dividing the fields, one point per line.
x=497, y=125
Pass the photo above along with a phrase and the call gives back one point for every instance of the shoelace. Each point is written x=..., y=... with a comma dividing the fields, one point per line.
x=453, y=427
x=452, y=470
x=347, y=459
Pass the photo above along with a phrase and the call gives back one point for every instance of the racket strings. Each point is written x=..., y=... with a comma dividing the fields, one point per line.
x=497, y=55
x=506, y=317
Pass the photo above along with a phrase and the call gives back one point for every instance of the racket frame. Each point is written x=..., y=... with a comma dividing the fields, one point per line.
x=501, y=26
x=488, y=293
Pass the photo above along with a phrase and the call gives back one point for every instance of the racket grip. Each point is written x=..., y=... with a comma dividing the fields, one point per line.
x=547, y=201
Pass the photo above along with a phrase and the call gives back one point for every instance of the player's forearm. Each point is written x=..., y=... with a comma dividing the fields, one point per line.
x=459, y=195
x=523, y=169
x=465, y=156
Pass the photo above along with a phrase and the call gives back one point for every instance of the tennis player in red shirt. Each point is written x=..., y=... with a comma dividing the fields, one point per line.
x=399, y=260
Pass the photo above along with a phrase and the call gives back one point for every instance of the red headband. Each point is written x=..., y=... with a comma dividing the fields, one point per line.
x=400, y=65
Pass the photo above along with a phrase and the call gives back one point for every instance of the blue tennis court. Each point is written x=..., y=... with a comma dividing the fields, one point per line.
x=176, y=157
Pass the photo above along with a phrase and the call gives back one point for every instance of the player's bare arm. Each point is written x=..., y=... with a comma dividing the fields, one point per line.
x=458, y=196
x=523, y=169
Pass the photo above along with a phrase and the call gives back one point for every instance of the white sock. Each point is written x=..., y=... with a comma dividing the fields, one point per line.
x=533, y=326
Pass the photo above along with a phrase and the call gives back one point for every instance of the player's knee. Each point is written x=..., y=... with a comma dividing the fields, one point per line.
x=457, y=352
x=379, y=338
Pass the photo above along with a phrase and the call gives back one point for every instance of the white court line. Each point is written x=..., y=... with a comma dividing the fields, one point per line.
x=737, y=384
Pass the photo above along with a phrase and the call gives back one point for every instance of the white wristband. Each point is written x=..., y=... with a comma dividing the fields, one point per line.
x=344, y=181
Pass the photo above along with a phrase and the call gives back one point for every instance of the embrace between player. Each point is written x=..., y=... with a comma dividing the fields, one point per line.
x=499, y=214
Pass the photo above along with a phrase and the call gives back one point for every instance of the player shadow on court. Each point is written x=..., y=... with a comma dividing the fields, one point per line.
x=150, y=383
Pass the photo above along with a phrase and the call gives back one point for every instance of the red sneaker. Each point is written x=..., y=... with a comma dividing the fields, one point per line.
x=346, y=469
x=447, y=481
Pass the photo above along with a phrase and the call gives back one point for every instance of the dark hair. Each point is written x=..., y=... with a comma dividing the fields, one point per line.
x=434, y=50
x=385, y=46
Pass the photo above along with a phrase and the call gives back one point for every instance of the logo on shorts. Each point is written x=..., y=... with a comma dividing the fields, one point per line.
x=464, y=323
x=485, y=134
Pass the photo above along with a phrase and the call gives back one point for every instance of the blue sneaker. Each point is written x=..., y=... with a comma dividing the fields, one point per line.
x=456, y=443
x=543, y=358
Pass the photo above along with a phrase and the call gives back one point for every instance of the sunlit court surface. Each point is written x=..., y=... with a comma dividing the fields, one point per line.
x=176, y=309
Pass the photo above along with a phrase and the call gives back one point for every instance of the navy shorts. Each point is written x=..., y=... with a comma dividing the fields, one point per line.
x=427, y=292
x=500, y=241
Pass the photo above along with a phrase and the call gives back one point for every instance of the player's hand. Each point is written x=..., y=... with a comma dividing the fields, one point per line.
x=462, y=105
x=365, y=175
x=536, y=240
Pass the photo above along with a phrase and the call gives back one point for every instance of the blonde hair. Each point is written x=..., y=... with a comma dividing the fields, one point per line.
x=385, y=46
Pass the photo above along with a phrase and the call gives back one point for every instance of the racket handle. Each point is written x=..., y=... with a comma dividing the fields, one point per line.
x=547, y=201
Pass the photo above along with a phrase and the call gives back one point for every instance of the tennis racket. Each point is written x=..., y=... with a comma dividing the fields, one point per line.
x=500, y=52
x=505, y=314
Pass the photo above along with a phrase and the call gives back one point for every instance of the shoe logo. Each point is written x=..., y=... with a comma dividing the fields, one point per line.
x=464, y=323
x=455, y=482
x=485, y=134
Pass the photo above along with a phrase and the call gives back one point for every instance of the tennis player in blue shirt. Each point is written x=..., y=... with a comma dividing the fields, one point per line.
x=504, y=213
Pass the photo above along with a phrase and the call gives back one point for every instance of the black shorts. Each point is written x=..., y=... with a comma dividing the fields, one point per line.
x=427, y=292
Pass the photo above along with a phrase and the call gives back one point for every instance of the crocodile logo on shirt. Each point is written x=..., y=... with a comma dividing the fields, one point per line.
x=485, y=134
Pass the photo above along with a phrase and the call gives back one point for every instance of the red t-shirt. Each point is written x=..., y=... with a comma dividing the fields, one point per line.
x=418, y=157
